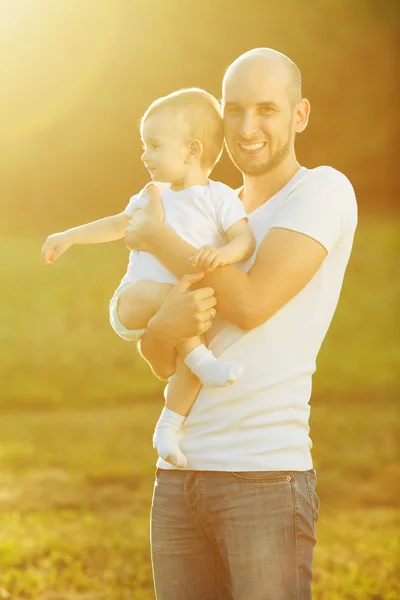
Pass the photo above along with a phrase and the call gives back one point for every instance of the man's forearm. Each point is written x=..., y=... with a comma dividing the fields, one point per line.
x=174, y=253
x=158, y=351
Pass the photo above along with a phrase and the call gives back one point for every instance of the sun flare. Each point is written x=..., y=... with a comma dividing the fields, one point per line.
x=54, y=52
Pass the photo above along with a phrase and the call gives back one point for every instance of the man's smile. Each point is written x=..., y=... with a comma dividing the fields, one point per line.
x=253, y=148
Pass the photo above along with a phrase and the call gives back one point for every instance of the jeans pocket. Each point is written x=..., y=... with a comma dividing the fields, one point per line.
x=311, y=483
x=262, y=476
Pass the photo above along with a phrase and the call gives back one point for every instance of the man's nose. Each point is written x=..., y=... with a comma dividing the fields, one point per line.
x=144, y=156
x=248, y=126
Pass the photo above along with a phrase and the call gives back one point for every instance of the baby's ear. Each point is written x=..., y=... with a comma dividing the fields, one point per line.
x=195, y=150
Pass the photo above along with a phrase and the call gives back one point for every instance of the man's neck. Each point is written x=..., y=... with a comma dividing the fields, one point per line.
x=258, y=190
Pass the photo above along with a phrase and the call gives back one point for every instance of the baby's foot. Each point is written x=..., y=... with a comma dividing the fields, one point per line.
x=210, y=370
x=165, y=441
x=219, y=373
x=165, y=438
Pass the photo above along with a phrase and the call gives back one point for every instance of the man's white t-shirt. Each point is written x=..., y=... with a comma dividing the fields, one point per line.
x=261, y=422
x=200, y=215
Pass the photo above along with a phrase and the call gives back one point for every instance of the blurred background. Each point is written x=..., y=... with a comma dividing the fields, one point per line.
x=78, y=404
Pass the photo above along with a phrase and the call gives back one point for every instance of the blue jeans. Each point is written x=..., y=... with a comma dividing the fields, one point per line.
x=219, y=535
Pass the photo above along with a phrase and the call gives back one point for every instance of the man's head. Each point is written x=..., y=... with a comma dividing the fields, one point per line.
x=263, y=110
x=179, y=130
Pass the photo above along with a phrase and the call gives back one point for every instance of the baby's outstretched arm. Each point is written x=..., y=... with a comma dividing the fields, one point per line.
x=240, y=247
x=97, y=232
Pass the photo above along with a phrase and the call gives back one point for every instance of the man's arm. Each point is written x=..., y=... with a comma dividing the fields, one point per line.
x=286, y=261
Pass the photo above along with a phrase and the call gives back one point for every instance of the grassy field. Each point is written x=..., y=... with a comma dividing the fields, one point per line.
x=79, y=407
x=77, y=484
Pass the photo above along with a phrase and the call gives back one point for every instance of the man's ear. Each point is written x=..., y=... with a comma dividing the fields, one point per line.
x=195, y=150
x=302, y=114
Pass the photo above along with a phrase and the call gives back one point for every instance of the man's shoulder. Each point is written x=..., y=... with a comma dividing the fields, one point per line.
x=325, y=174
x=327, y=189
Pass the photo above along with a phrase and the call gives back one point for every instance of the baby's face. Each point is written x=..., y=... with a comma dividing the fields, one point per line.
x=165, y=144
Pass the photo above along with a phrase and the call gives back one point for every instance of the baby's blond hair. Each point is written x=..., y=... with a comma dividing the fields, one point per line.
x=203, y=113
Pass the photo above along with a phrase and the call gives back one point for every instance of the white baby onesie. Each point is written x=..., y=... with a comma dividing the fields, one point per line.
x=200, y=215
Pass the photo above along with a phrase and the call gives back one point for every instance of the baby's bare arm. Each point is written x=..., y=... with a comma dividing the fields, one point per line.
x=97, y=232
x=241, y=243
x=240, y=247
x=100, y=231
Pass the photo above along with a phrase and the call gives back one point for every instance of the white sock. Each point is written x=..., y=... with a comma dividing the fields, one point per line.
x=210, y=370
x=165, y=438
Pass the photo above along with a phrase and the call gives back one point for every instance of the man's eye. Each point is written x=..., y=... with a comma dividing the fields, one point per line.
x=232, y=111
x=265, y=111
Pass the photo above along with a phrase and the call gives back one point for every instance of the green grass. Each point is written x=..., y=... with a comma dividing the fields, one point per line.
x=76, y=491
x=59, y=349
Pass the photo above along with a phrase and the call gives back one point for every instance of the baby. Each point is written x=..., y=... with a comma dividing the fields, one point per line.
x=182, y=136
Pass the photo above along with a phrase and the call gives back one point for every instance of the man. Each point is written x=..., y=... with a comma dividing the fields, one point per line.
x=239, y=522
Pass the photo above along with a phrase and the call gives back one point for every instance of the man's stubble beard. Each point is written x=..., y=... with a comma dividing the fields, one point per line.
x=279, y=156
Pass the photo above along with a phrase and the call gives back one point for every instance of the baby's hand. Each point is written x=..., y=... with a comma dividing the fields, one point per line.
x=54, y=246
x=208, y=258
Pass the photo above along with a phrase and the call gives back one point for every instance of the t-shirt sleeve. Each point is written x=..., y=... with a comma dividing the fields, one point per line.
x=323, y=207
x=229, y=208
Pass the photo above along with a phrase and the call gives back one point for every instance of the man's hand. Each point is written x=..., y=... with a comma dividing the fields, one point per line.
x=185, y=314
x=55, y=245
x=208, y=258
x=144, y=222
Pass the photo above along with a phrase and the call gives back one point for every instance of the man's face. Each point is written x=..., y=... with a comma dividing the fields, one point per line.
x=258, y=117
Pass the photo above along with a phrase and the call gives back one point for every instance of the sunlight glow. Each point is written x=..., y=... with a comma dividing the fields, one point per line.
x=52, y=51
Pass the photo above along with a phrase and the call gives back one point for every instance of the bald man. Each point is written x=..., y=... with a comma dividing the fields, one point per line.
x=238, y=523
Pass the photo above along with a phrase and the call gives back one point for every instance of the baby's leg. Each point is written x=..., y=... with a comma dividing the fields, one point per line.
x=134, y=304
x=202, y=363
x=183, y=389
x=139, y=301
